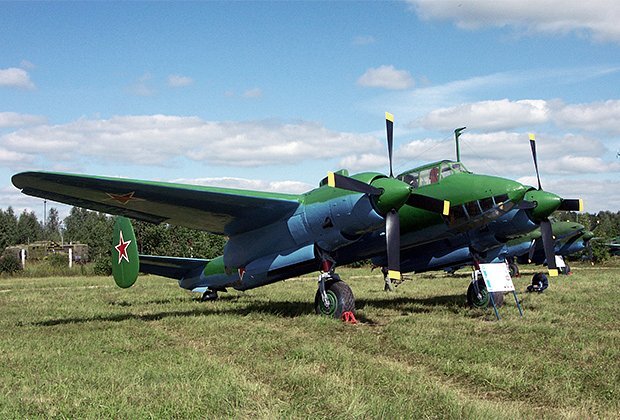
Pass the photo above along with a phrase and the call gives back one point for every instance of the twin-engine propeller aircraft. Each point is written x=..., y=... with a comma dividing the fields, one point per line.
x=472, y=243
x=274, y=236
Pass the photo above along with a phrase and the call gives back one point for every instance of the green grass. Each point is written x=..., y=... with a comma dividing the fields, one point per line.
x=81, y=347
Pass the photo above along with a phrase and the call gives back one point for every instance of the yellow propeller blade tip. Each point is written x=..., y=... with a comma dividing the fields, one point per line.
x=331, y=179
x=553, y=273
x=389, y=117
x=446, y=208
x=394, y=275
x=532, y=137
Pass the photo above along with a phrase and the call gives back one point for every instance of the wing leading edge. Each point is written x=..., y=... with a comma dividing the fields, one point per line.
x=212, y=209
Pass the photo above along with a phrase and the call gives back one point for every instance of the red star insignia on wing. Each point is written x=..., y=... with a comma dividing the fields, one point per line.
x=123, y=198
x=122, y=248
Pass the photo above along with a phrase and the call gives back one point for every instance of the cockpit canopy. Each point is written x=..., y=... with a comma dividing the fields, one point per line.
x=432, y=173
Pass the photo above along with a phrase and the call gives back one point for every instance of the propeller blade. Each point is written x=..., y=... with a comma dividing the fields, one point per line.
x=533, y=146
x=571, y=204
x=530, y=254
x=389, y=126
x=549, y=246
x=351, y=184
x=428, y=203
x=392, y=238
x=526, y=205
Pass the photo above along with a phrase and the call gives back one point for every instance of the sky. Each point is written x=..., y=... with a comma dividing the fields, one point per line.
x=273, y=95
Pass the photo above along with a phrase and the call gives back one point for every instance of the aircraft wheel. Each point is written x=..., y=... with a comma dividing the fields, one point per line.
x=513, y=269
x=566, y=269
x=340, y=298
x=476, y=301
x=484, y=299
x=209, y=295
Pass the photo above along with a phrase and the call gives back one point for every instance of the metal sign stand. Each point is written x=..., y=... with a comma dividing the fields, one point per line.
x=497, y=279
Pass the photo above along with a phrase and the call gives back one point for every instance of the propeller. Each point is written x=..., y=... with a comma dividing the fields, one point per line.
x=550, y=201
x=390, y=195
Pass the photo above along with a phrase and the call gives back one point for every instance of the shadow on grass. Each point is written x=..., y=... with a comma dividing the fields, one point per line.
x=453, y=303
x=289, y=309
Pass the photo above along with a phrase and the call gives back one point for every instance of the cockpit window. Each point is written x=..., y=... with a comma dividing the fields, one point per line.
x=432, y=174
x=411, y=179
x=429, y=176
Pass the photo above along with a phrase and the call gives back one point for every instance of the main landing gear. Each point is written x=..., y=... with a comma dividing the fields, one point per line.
x=477, y=294
x=334, y=297
x=209, y=295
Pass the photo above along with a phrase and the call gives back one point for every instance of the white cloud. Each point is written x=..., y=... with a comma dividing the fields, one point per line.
x=489, y=115
x=253, y=93
x=15, y=77
x=366, y=162
x=161, y=139
x=13, y=119
x=508, y=153
x=601, y=117
x=386, y=77
x=595, y=18
x=176, y=80
x=596, y=116
x=11, y=157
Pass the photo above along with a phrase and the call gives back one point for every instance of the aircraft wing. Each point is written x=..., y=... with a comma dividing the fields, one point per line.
x=212, y=209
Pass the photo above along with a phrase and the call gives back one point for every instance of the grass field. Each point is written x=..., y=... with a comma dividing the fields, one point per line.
x=81, y=347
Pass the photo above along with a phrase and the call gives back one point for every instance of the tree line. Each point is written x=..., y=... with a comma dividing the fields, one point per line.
x=95, y=229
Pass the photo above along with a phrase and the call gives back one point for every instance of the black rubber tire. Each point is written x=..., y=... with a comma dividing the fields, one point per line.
x=566, y=269
x=485, y=300
x=473, y=300
x=209, y=295
x=340, y=295
x=513, y=269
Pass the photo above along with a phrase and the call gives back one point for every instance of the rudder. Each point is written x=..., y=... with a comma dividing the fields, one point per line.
x=125, y=261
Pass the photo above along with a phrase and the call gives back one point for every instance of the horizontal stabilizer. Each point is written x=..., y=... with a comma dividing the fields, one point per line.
x=171, y=267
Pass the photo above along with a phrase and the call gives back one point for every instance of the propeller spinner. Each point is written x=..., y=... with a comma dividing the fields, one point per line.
x=390, y=195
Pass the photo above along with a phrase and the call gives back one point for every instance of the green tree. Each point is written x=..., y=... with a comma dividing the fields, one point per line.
x=8, y=228
x=177, y=241
x=91, y=228
x=28, y=228
x=52, y=230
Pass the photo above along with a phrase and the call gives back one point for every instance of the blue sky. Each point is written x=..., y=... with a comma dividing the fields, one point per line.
x=271, y=96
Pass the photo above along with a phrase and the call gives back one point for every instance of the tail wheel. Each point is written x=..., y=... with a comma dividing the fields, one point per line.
x=340, y=298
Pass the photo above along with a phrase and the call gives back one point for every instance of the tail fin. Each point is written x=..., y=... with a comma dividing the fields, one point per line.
x=125, y=262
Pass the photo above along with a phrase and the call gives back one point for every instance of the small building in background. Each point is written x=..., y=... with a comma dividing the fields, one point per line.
x=40, y=249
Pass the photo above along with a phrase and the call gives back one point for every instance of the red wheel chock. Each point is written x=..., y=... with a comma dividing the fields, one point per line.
x=348, y=317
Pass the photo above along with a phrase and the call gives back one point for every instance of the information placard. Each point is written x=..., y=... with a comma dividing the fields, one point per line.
x=497, y=277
